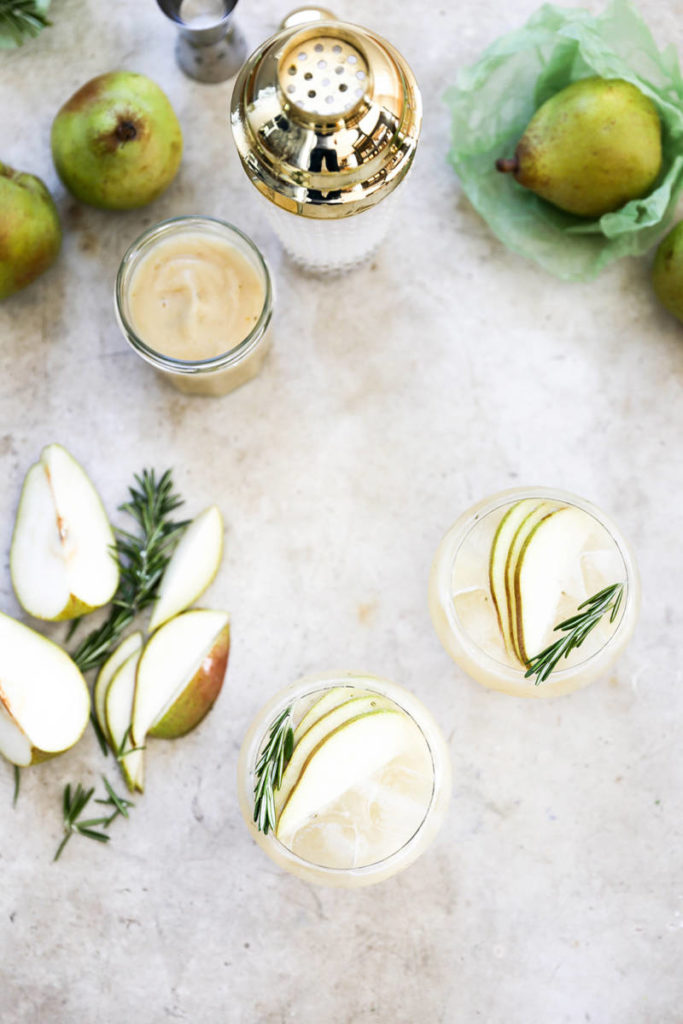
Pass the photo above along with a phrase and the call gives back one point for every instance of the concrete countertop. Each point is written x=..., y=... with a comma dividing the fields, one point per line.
x=394, y=397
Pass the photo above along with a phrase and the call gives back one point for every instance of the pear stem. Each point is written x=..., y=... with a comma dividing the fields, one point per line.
x=508, y=166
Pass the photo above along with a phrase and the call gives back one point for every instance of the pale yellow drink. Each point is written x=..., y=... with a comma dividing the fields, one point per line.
x=193, y=299
x=194, y=296
x=380, y=807
x=465, y=613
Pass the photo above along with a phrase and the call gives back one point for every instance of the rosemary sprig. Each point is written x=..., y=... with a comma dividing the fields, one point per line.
x=120, y=804
x=21, y=19
x=142, y=558
x=576, y=629
x=269, y=769
x=73, y=806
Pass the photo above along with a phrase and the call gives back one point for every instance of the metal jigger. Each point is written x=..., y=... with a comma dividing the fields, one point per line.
x=210, y=47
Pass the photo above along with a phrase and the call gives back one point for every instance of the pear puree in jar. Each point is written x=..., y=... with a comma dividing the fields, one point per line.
x=194, y=297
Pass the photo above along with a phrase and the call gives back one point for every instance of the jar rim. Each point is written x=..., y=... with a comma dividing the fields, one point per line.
x=143, y=243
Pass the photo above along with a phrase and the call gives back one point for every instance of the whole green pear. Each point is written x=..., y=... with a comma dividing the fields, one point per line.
x=667, y=271
x=591, y=148
x=117, y=142
x=30, y=234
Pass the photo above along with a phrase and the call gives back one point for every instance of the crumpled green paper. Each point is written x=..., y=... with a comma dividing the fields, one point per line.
x=495, y=99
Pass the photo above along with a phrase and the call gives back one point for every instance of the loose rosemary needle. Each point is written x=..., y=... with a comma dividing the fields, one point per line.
x=269, y=769
x=21, y=19
x=576, y=629
x=17, y=784
x=142, y=558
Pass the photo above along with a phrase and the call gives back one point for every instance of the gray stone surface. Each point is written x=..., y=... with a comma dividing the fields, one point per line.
x=393, y=398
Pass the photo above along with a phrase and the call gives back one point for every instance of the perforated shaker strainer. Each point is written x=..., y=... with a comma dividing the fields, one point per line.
x=326, y=119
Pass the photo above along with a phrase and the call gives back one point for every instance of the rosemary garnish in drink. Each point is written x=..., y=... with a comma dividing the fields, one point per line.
x=269, y=768
x=142, y=558
x=20, y=19
x=576, y=630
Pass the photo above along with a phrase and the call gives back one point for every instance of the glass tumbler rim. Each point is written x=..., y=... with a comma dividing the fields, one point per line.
x=460, y=530
x=407, y=703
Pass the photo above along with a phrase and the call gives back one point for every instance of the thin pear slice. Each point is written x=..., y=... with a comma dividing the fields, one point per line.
x=330, y=699
x=313, y=736
x=544, y=509
x=127, y=647
x=180, y=674
x=192, y=568
x=548, y=563
x=500, y=547
x=45, y=699
x=118, y=707
x=346, y=756
x=61, y=560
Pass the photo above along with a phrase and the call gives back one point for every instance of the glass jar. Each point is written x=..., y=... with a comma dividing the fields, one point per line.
x=218, y=374
x=465, y=613
x=359, y=839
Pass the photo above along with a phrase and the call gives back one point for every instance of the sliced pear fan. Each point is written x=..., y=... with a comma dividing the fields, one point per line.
x=44, y=698
x=127, y=647
x=346, y=756
x=313, y=736
x=548, y=561
x=192, y=568
x=61, y=559
x=330, y=699
x=500, y=548
x=545, y=508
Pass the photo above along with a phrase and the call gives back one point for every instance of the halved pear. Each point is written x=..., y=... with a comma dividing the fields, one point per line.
x=542, y=510
x=344, y=757
x=547, y=565
x=316, y=733
x=118, y=709
x=127, y=647
x=192, y=568
x=61, y=561
x=44, y=698
x=180, y=674
x=500, y=548
x=330, y=699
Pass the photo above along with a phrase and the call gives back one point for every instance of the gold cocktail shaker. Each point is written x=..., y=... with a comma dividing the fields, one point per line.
x=326, y=118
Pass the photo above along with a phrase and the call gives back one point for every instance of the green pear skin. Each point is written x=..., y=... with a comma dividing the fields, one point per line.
x=30, y=233
x=667, y=272
x=591, y=148
x=199, y=694
x=117, y=143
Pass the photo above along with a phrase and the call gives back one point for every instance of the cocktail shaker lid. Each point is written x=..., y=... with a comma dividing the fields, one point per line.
x=326, y=118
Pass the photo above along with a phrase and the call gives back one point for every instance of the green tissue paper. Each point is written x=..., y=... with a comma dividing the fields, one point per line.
x=495, y=99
